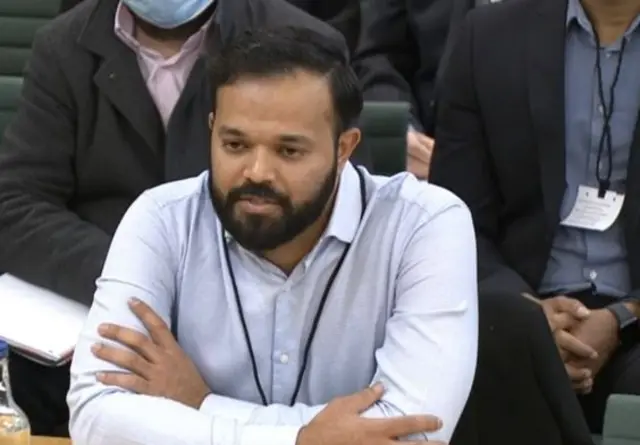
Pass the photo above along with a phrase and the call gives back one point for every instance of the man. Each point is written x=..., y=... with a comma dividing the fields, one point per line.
x=112, y=105
x=343, y=15
x=397, y=60
x=284, y=279
x=538, y=132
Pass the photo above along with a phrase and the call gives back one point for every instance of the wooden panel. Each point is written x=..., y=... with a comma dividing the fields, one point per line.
x=49, y=441
x=29, y=8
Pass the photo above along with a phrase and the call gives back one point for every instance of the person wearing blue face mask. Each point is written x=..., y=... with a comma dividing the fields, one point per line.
x=343, y=15
x=167, y=14
x=115, y=101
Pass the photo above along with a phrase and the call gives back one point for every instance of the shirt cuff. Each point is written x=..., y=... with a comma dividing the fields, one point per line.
x=227, y=408
x=231, y=432
x=270, y=435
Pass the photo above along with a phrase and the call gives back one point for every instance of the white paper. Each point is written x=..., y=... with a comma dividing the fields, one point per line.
x=41, y=323
x=591, y=212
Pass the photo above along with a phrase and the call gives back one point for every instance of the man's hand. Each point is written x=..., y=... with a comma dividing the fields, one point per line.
x=600, y=332
x=563, y=314
x=158, y=366
x=340, y=424
x=419, y=150
x=581, y=377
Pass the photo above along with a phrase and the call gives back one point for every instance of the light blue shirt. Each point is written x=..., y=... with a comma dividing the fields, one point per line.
x=581, y=258
x=402, y=311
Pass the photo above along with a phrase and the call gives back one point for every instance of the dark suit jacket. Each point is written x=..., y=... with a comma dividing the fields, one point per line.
x=500, y=147
x=501, y=139
x=399, y=52
x=343, y=15
x=459, y=11
x=87, y=140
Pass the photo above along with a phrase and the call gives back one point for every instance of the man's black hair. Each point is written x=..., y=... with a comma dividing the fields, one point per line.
x=280, y=51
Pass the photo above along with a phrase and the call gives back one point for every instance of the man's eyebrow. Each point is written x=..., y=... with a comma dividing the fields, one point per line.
x=287, y=138
x=230, y=131
x=294, y=139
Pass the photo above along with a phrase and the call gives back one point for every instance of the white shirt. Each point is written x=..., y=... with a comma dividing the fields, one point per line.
x=402, y=311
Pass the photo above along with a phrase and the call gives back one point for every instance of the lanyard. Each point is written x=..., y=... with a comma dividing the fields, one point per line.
x=604, y=182
x=316, y=318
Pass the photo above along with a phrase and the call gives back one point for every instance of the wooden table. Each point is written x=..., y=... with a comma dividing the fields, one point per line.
x=49, y=441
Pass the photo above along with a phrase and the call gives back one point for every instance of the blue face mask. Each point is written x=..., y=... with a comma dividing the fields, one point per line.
x=167, y=14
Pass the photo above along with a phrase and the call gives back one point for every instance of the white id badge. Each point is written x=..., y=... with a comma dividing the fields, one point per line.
x=592, y=212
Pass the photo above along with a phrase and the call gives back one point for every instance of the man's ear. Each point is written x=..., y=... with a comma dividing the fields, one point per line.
x=347, y=143
x=211, y=117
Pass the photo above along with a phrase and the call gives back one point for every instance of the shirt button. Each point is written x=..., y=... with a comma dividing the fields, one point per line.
x=593, y=275
x=284, y=359
x=600, y=109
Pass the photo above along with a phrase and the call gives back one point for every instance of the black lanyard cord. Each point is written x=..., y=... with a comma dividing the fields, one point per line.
x=316, y=319
x=607, y=111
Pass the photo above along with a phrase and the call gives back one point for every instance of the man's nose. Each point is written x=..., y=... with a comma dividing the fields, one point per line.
x=260, y=167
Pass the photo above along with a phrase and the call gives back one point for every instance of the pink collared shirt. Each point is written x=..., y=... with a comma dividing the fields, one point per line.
x=165, y=77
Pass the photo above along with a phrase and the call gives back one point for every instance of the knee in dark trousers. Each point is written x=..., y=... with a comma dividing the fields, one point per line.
x=521, y=393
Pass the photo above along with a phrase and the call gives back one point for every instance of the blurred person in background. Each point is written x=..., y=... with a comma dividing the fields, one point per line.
x=398, y=58
x=343, y=15
x=539, y=133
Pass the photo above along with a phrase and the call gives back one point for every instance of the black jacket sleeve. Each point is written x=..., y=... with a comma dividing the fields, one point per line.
x=461, y=163
x=41, y=240
x=343, y=15
x=65, y=5
x=387, y=53
x=399, y=51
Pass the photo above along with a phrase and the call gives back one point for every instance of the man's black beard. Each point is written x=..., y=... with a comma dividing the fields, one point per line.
x=259, y=233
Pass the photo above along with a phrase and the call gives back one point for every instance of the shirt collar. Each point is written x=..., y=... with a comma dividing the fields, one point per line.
x=634, y=28
x=345, y=215
x=347, y=209
x=576, y=14
x=124, y=24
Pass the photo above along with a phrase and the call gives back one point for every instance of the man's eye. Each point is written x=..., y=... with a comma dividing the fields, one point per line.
x=289, y=152
x=233, y=146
